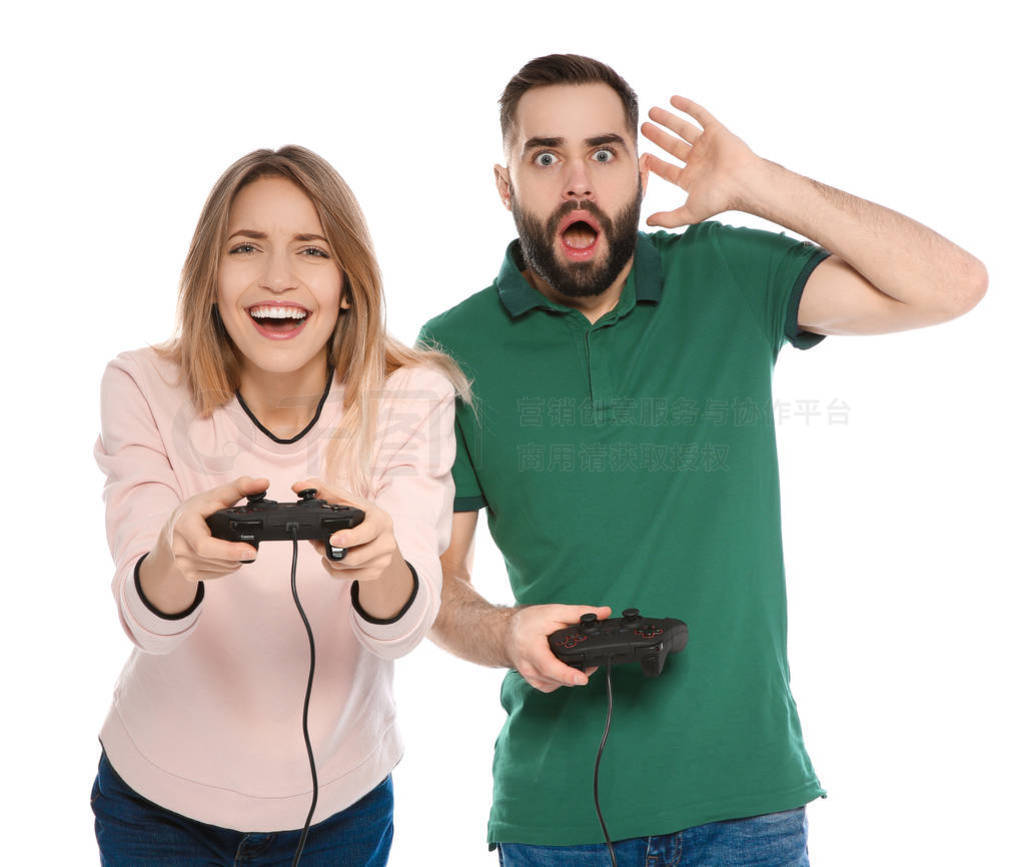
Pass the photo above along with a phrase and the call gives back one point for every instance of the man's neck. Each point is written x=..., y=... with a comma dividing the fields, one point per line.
x=591, y=306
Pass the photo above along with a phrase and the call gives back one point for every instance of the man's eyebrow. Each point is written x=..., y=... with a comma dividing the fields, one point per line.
x=541, y=142
x=607, y=138
x=593, y=141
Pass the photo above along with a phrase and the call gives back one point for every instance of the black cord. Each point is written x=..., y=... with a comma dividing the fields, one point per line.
x=597, y=765
x=309, y=690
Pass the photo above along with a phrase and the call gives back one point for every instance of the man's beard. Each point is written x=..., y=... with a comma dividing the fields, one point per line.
x=577, y=279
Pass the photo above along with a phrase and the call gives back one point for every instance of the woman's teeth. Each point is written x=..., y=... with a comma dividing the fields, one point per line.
x=277, y=313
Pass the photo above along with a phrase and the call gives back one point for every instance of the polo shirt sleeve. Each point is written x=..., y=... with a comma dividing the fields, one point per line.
x=468, y=495
x=770, y=270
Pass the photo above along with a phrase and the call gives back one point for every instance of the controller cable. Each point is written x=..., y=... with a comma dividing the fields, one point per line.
x=293, y=528
x=597, y=765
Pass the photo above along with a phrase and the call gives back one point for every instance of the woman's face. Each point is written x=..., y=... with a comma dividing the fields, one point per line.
x=278, y=285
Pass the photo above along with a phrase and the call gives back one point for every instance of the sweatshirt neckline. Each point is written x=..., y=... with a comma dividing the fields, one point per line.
x=309, y=427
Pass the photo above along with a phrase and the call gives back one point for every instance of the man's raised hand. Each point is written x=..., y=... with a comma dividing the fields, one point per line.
x=717, y=164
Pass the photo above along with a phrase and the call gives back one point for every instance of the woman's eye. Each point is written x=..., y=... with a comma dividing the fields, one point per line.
x=316, y=251
x=605, y=155
x=544, y=159
x=242, y=248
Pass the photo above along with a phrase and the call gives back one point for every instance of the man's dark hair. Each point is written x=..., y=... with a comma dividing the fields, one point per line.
x=565, y=69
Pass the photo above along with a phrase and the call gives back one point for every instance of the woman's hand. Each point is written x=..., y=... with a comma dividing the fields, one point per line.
x=371, y=546
x=186, y=552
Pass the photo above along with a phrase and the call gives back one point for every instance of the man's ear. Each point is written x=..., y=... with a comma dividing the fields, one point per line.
x=645, y=171
x=504, y=185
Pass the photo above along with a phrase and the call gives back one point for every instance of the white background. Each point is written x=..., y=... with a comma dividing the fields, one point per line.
x=902, y=525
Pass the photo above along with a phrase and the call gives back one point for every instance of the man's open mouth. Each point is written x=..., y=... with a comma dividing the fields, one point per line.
x=578, y=233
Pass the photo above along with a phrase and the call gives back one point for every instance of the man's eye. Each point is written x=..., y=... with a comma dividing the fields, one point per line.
x=605, y=155
x=545, y=159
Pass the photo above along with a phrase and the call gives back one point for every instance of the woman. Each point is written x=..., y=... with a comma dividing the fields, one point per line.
x=281, y=379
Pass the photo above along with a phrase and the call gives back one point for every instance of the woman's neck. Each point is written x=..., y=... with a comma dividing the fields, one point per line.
x=284, y=403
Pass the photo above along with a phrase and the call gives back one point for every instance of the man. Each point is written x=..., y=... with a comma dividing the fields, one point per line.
x=622, y=442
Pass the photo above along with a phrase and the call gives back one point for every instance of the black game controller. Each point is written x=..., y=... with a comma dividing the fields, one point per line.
x=630, y=638
x=263, y=520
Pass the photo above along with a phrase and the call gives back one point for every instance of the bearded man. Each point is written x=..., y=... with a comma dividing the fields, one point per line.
x=623, y=444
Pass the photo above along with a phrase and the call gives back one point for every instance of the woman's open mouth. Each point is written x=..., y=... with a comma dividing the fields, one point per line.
x=278, y=321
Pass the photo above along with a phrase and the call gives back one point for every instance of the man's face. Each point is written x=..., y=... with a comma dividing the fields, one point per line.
x=573, y=186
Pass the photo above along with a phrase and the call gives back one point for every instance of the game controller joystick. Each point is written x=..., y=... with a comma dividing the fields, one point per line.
x=630, y=638
x=263, y=520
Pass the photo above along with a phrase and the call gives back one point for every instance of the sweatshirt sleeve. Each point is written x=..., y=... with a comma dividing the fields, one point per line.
x=141, y=492
x=417, y=491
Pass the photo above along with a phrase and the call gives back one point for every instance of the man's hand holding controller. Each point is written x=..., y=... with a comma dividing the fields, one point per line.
x=526, y=644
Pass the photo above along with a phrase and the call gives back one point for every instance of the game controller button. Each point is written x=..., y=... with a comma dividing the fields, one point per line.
x=631, y=614
x=307, y=494
x=256, y=498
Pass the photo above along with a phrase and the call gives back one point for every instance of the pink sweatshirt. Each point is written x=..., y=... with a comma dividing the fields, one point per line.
x=206, y=717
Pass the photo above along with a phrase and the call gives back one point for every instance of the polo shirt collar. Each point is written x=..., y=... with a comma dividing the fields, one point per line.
x=519, y=296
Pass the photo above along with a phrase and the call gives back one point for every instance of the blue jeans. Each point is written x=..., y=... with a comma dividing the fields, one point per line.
x=133, y=831
x=772, y=840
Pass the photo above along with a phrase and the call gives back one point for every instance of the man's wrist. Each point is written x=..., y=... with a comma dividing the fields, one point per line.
x=761, y=186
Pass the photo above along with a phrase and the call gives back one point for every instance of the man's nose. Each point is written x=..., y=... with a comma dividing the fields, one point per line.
x=577, y=181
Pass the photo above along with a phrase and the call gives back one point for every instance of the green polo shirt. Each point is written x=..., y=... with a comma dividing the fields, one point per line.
x=632, y=462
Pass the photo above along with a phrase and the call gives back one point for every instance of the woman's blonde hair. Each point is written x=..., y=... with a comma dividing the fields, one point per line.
x=361, y=352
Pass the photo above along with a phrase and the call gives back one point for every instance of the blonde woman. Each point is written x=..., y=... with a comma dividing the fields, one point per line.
x=281, y=379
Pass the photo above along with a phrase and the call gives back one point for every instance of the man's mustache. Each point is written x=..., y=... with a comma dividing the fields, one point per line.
x=567, y=208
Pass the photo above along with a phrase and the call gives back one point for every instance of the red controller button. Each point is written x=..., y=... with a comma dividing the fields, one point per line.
x=648, y=632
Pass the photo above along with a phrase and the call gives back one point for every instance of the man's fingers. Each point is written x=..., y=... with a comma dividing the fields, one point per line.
x=665, y=170
x=572, y=613
x=552, y=668
x=666, y=141
x=672, y=219
x=682, y=128
x=703, y=116
x=552, y=674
